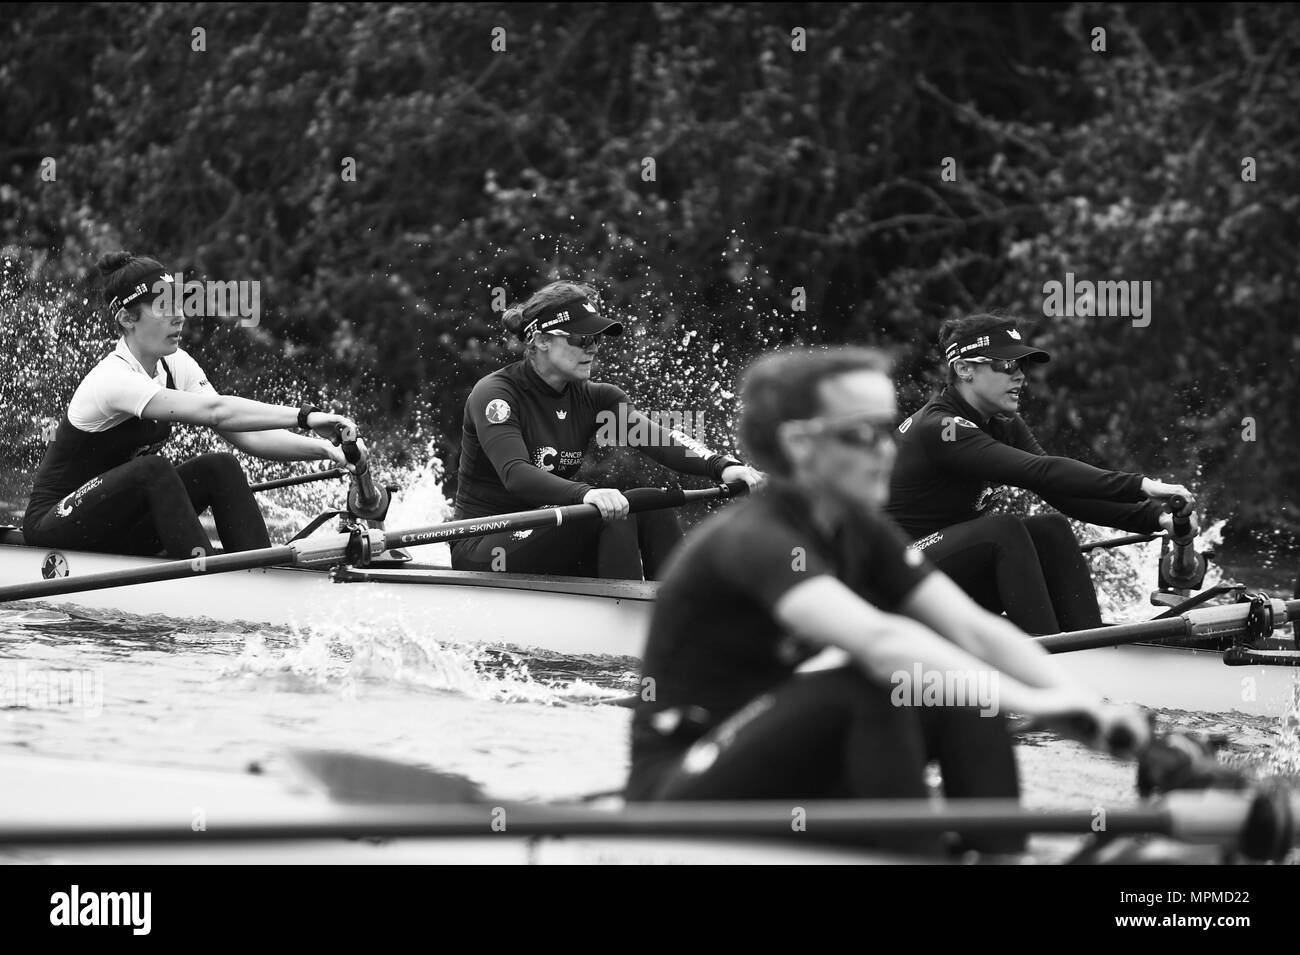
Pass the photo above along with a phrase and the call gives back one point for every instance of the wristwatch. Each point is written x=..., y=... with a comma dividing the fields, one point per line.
x=303, y=412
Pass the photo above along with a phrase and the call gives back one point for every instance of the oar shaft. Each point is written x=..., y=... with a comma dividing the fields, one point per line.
x=769, y=819
x=639, y=499
x=298, y=479
x=165, y=570
x=335, y=548
x=1119, y=541
x=1203, y=622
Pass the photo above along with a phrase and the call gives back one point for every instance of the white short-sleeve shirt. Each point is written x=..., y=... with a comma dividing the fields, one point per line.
x=118, y=388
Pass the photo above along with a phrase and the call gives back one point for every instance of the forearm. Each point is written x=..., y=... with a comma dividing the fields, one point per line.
x=1143, y=518
x=233, y=413
x=279, y=445
x=676, y=450
x=946, y=609
x=1006, y=647
x=895, y=653
x=538, y=487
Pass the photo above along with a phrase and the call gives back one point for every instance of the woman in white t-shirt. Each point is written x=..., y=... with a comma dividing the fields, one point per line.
x=102, y=485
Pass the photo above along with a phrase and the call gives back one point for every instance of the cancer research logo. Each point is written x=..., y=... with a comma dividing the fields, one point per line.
x=65, y=506
x=497, y=411
x=543, y=456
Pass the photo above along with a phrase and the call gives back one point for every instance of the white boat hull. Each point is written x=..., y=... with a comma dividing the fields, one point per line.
x=579, y=616
x=574, y=615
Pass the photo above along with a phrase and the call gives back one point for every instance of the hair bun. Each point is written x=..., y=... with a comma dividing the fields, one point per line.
x=513, y=319
x=112, y=261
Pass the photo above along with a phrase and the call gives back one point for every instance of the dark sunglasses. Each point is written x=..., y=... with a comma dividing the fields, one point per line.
x=861, y=433
x=1003, y=366
x=579, y=341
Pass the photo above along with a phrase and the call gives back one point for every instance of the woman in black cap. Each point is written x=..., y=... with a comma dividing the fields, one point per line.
x=956, y=453
x=102, y=485
x=526, y=431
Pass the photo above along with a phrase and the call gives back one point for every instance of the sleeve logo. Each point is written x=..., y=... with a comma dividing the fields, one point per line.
x=498, y=411
x=965, y=423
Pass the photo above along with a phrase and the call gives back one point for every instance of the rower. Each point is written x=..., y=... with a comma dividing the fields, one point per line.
x=809, y=563
x=526, y=430
x=102, y=484
x=956, y=453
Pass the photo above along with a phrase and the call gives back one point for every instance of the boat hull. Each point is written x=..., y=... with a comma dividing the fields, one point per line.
x=573, y=615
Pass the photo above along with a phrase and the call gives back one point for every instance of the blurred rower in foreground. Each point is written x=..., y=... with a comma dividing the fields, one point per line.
x=810, y=563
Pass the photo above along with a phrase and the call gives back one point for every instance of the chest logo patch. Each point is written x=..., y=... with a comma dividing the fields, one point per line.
x=497, y=411
x=561, y=415
x=541, y=457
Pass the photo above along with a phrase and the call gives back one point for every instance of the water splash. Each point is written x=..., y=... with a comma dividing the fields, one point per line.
x=351, y=658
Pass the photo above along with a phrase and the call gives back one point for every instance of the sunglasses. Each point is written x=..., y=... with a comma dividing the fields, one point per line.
x=1003, y=366
x=866, y=433
x=579, y=341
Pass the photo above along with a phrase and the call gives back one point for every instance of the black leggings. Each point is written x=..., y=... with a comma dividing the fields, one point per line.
x=147, y=505
x=630, y=549
x=835, y=734
x=1029, y=567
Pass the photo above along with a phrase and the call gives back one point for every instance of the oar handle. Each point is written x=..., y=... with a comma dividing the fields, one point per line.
x=365, y=500
x=1185, y=568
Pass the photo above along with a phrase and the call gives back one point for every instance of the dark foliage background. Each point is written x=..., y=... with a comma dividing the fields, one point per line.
x=775, y=170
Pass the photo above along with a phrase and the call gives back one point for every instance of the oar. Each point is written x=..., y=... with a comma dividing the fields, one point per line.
x=299, y=479
x=1120, y=541
x=344, y=546
x=1206, y=623
x=1225, y=819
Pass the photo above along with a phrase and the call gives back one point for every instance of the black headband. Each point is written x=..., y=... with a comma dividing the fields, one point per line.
x=139, y=291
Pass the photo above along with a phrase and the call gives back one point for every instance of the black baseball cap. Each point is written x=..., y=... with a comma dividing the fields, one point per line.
x=578, y=317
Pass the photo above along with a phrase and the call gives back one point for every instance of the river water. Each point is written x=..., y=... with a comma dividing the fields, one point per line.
x=189, y=693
